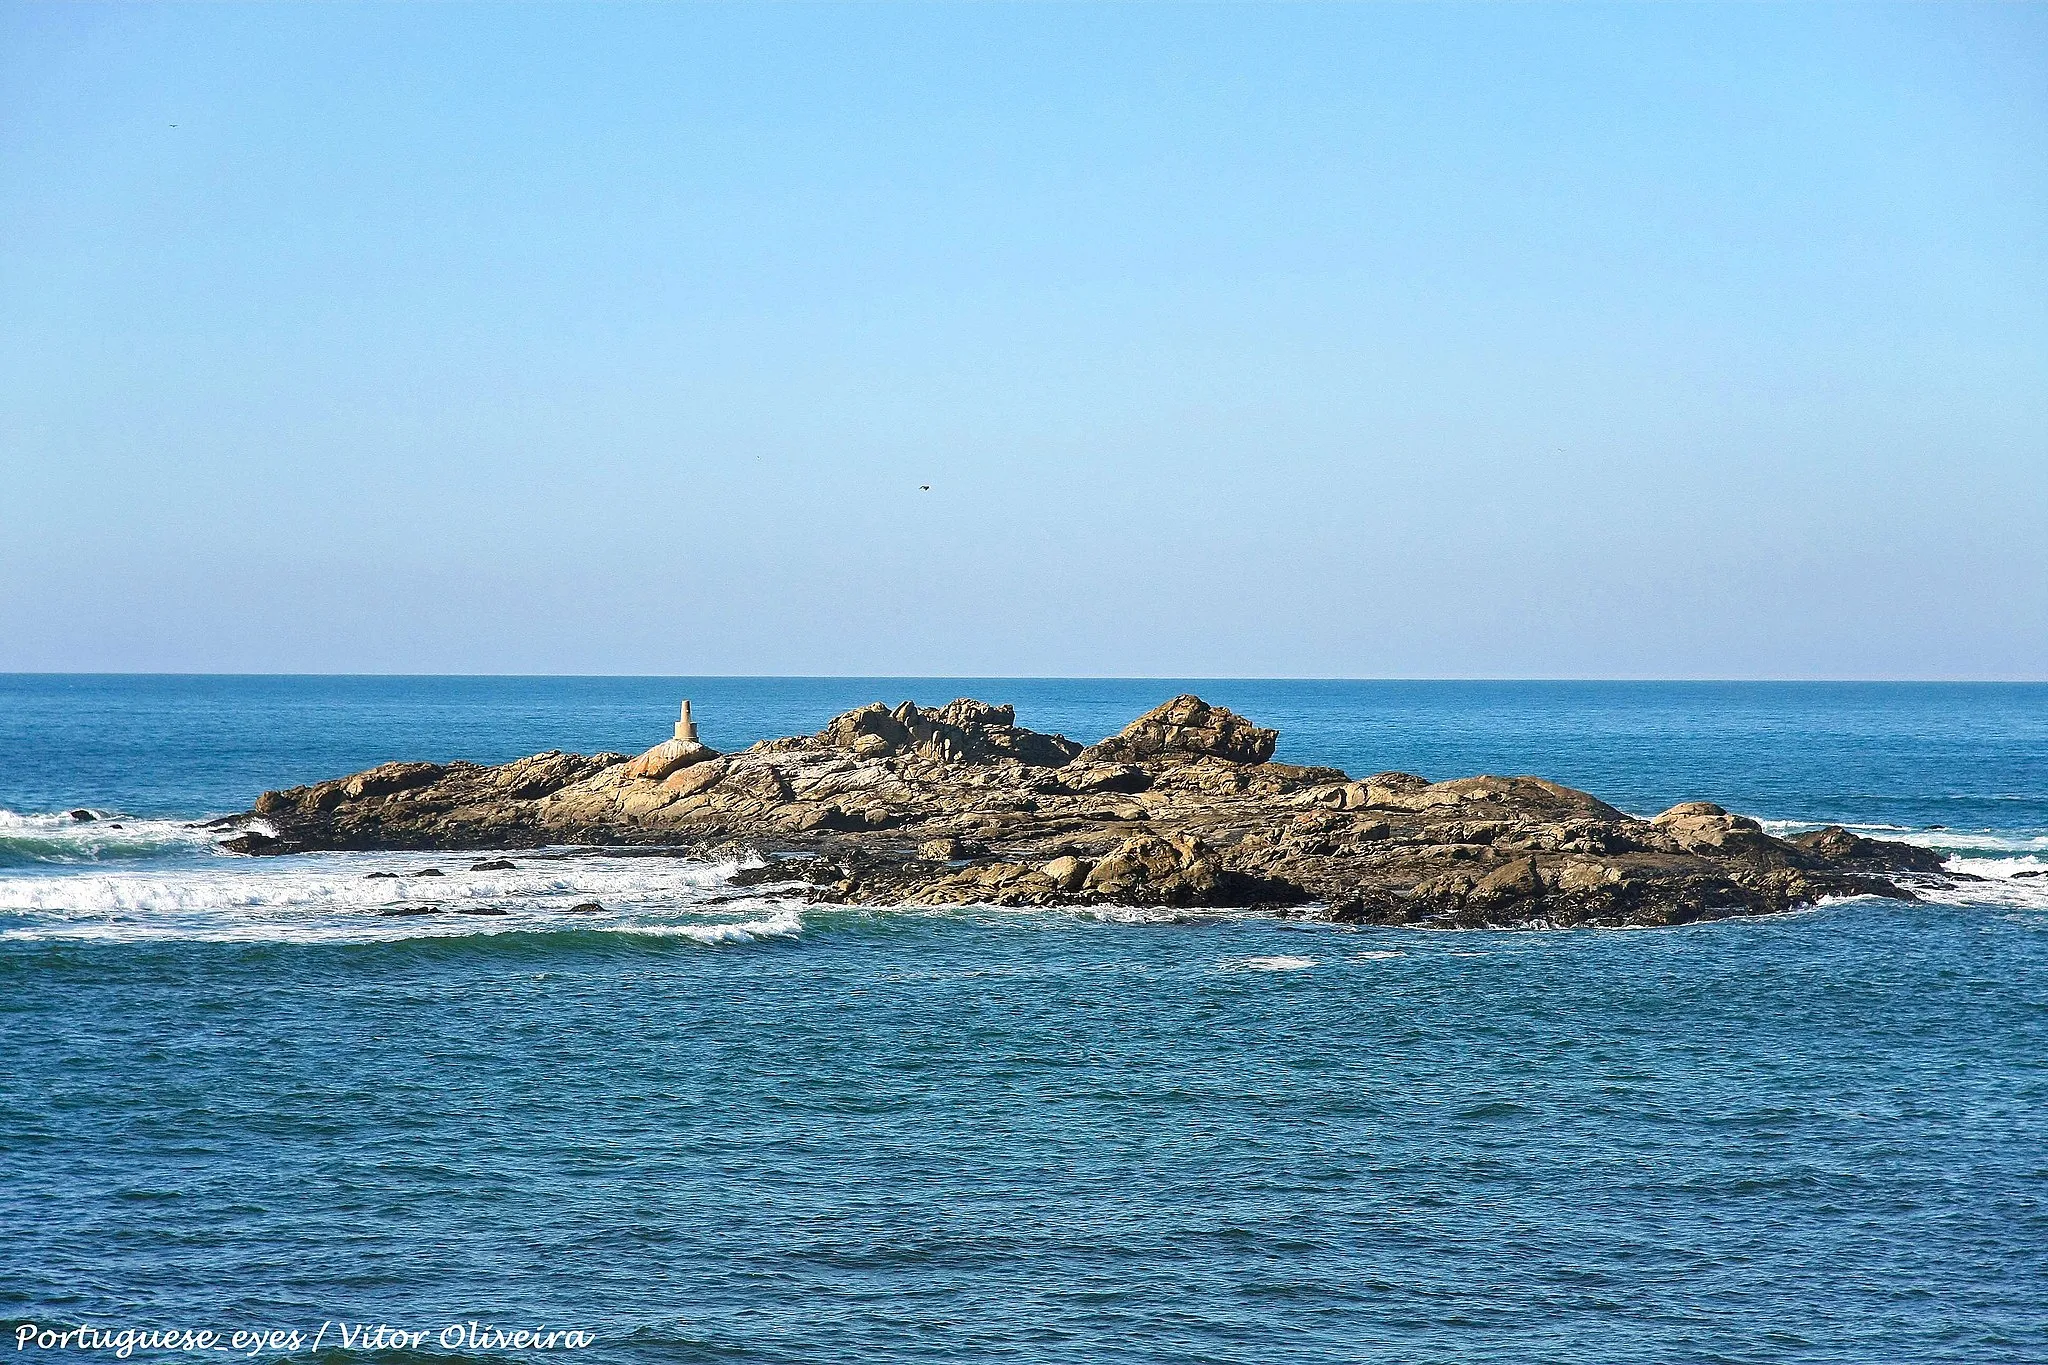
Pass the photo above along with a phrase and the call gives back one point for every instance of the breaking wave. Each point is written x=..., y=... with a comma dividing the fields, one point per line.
x=383, y=897
x=109, y=837
x=2001, y=870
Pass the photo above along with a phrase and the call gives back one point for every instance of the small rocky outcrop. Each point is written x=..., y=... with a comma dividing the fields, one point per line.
x=1184, y=807
x=1838, y=847
x=963, y=731
x=1187, y=727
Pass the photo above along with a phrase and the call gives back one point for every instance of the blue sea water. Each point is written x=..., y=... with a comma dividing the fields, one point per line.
x=729, y=1127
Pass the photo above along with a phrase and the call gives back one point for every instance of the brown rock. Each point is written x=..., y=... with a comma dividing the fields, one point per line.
x=1068, y=873
x=1695, y=826
x=1188, y=726
x=698, y=777
x=1518, y=880
x=666, y=757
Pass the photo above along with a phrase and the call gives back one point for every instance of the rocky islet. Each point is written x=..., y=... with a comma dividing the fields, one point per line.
x=1184, y=807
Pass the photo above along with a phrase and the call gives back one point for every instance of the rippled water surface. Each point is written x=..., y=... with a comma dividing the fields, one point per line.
x=708, y=1124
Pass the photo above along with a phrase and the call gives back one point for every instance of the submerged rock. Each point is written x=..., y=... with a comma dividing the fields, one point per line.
x=1184, y=807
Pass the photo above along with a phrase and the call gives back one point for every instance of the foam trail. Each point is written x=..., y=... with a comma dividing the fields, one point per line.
x=1282, y=962
x=332, y=898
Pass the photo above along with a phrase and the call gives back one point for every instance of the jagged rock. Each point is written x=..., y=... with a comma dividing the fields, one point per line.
x=493, y=865
x=1184, y=807
x=542, y=774
x=390, y=777
x=82, y=815
x=1187, y=725
x=1080, y=778
x=963, y=731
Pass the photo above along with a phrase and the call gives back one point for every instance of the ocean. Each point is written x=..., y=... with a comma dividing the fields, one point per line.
x=720, y=1125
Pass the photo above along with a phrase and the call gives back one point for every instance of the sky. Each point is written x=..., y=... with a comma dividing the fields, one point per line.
x=1307, y=340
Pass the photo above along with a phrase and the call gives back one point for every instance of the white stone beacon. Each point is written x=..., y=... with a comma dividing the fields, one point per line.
x=686, y=729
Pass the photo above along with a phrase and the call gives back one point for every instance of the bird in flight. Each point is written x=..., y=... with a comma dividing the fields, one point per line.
x=924, y=488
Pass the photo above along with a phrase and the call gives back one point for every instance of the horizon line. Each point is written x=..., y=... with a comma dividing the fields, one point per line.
x=1049, y=677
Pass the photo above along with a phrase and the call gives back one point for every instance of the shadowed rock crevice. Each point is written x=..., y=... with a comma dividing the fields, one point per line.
x=1184, y=807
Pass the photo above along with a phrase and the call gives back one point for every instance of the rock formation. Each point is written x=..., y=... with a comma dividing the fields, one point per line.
x=1184, y=807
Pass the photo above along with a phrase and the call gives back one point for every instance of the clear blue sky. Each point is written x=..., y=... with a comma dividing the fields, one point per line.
x=1685, y=341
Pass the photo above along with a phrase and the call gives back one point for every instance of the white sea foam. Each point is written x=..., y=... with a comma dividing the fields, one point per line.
x=1280, y=962
x=59, y=839
x=786, y=922
x=1954, y=841
x=1986, y=864
x=1152, y=914
x=1109, y=914
x=331, y=898
x=1999, y=887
